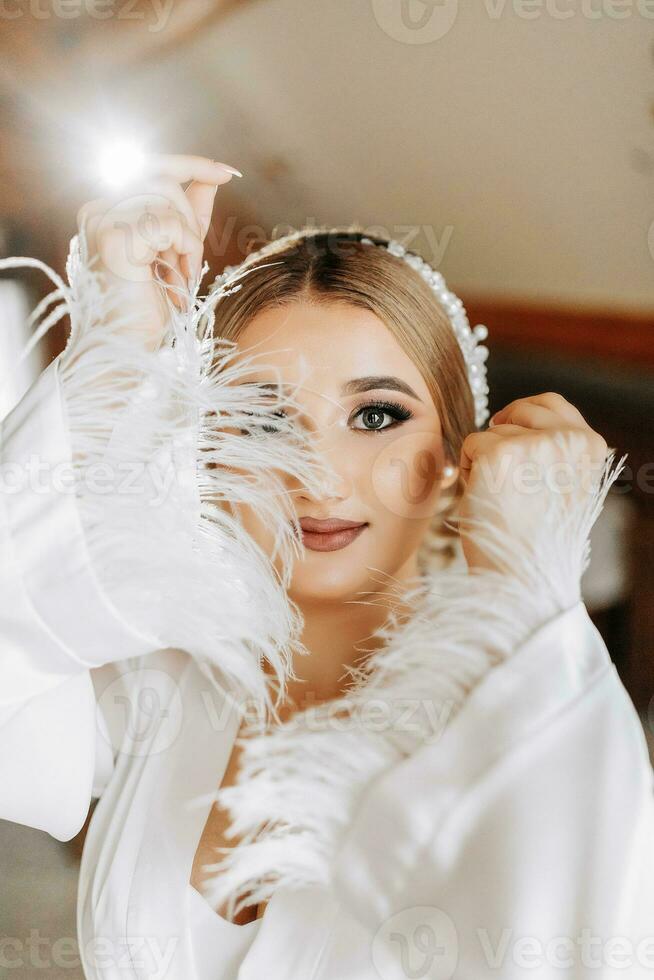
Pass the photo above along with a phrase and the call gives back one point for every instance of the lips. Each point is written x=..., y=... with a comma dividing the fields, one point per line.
x=328, y=525
x=331, y=534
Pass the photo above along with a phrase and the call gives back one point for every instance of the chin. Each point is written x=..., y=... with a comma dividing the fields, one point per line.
x=336, y=577
x=324, y=578
x=322, y=588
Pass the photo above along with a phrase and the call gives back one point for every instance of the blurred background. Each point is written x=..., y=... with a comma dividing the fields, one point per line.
x=510, y=142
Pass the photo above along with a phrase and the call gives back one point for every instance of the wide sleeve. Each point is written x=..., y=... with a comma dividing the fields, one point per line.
x=56, y=622
x=522, y=839
x=121, y=471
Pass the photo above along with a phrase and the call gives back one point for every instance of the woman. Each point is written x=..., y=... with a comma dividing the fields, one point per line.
x=407, y=737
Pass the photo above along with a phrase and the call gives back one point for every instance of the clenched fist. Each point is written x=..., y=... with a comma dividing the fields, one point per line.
x=534, y=448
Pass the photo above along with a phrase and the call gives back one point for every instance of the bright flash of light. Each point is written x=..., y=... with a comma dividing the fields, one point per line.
x=121, y=161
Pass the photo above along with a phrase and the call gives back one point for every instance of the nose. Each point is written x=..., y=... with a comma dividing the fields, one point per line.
x=327, y=441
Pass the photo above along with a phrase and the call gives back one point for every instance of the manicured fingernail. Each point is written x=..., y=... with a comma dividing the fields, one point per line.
x=230, y=170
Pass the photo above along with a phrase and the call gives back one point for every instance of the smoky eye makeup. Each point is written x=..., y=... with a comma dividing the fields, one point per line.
x=372, y=414
x=375, y=410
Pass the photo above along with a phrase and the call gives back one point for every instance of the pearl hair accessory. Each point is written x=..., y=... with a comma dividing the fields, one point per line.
x=474, y=352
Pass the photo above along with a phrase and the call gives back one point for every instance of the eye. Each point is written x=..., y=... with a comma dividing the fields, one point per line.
x=264, y=427
x=377, y=409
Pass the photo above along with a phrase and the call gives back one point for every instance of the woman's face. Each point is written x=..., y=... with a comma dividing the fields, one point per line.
x=388, y=459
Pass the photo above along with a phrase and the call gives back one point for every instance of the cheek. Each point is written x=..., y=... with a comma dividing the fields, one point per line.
x=247, y=516
x=405, y=475
x=259, y=531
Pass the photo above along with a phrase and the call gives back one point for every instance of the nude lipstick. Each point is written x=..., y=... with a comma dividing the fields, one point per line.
x=329, y=535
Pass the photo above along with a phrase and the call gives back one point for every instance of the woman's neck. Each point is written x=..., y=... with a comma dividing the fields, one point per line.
x=337, y=635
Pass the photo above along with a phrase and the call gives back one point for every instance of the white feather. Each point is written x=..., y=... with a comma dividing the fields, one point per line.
x=159, y=466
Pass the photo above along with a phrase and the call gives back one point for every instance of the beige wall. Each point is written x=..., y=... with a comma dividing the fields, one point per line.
x=525, y=146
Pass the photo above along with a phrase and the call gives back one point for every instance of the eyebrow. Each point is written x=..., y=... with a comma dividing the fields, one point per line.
x=358, y=385
x=372, y=381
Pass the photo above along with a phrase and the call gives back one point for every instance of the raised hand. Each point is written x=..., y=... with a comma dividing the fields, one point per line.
x=535, y=447
x=154, y=226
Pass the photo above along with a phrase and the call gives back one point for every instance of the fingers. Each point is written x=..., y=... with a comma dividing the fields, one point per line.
x=129, y=242
x=146, y=218
x=529, y=415
x=172, y=273
x=551, y=400
x=88, y=218
x=182, y=168
x=478, y=443
x=154, y=217
x=201, y=198
x=176, y=198
x=195, y=204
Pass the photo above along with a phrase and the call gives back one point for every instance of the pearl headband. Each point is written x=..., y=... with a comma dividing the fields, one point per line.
x=474, y=352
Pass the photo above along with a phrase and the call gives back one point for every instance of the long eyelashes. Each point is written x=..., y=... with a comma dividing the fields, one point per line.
x=398, y=412
x=263, y=427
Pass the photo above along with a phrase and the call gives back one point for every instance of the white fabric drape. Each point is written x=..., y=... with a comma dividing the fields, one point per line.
x=15, y=375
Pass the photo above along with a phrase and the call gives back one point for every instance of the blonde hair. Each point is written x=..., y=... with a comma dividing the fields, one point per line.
x=334, y=266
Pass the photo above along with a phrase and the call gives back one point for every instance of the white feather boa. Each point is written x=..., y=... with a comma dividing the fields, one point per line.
x=184, y=571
